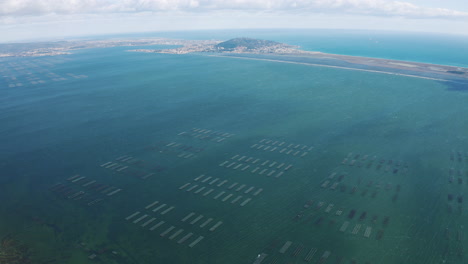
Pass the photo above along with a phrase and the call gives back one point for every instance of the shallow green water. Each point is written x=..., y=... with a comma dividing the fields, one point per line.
x=134, y=105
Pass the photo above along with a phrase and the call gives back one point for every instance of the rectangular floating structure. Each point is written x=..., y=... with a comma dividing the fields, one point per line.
x=324, y=257
x=242, y=158
x=283, y=150
x=105, y=164
x=279, y=174
x=199, y=190
x=249, y=190
x=183, y=239
x=260, y=258
x=240, y=187
x=207, y=221
x=263, y=171
x=114, y=192
x=213, y=181
x=255, y=161
x=325, y=184
x=78, y=179
x=236, y=199
x=167, y=231
x=232, y=185
x=265, y=162
x=329, y=207
x=368, y=231
x=188, y=216
x=285, y=247
x=213, y=228
x=123, y=168
x=344, y=226
x=227, y=197
x=297, y=152
x=305, y=153
x=238, y=166
x=139, y=219
x=132, y=215
x=255, y=170
x=196, y=219
x=333, y=187
x=196, y=241
x=208, y=192
x=249, y=159
x=230, y=165
x=288, y=167
x=258, y=192
x=221, y=183
x=89, y=183
x=176, y=234
x=191, y=188
x=183, y=186
x=271, y=172
x=147, y=176
x=159, y=207
x=246, y=167
x=234, y=157
x=219, y=195
x=310, y=255
x=148, y=222
x=281, y=165
x=199, y=177
x=273, y=164
x=223, y=163
x=254, y=145
x=246, y=201
x=207, y=179
x=111, y=166
x=157, y=225
x=267, y=148
x=356, y=229
x=167, y=210
x=273, y=149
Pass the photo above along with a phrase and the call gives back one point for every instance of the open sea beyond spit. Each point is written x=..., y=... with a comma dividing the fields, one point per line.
x=108, y=156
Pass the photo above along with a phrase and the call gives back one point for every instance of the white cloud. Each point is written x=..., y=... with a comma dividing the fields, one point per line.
x=360, y=7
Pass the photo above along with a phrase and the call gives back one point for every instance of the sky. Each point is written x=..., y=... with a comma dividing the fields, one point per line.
x=23, y=20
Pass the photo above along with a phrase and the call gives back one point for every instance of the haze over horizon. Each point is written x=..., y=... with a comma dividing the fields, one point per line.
x=50, y=19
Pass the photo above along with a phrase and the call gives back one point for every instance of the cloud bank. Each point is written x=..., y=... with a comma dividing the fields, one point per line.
x=18, y=8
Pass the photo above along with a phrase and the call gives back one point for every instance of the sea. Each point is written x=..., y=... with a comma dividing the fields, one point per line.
x=110, y=156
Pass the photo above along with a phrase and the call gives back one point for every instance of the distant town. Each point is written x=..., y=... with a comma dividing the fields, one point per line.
x=244, y=48
x=236, y=45
x=66, y=47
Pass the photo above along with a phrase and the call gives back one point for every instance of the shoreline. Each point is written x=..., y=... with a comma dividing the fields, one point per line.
x=331, y=66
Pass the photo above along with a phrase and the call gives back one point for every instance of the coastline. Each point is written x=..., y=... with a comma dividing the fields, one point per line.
x=330, y=66
x=245, y=48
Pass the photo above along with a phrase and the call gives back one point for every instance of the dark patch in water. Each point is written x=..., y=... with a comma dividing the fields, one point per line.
x=457, y=86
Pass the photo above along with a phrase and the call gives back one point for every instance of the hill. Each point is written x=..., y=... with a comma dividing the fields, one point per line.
x=246, y=44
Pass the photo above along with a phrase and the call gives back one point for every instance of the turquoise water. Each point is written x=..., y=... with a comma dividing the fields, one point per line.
x=135, y=106
x=443, y=49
